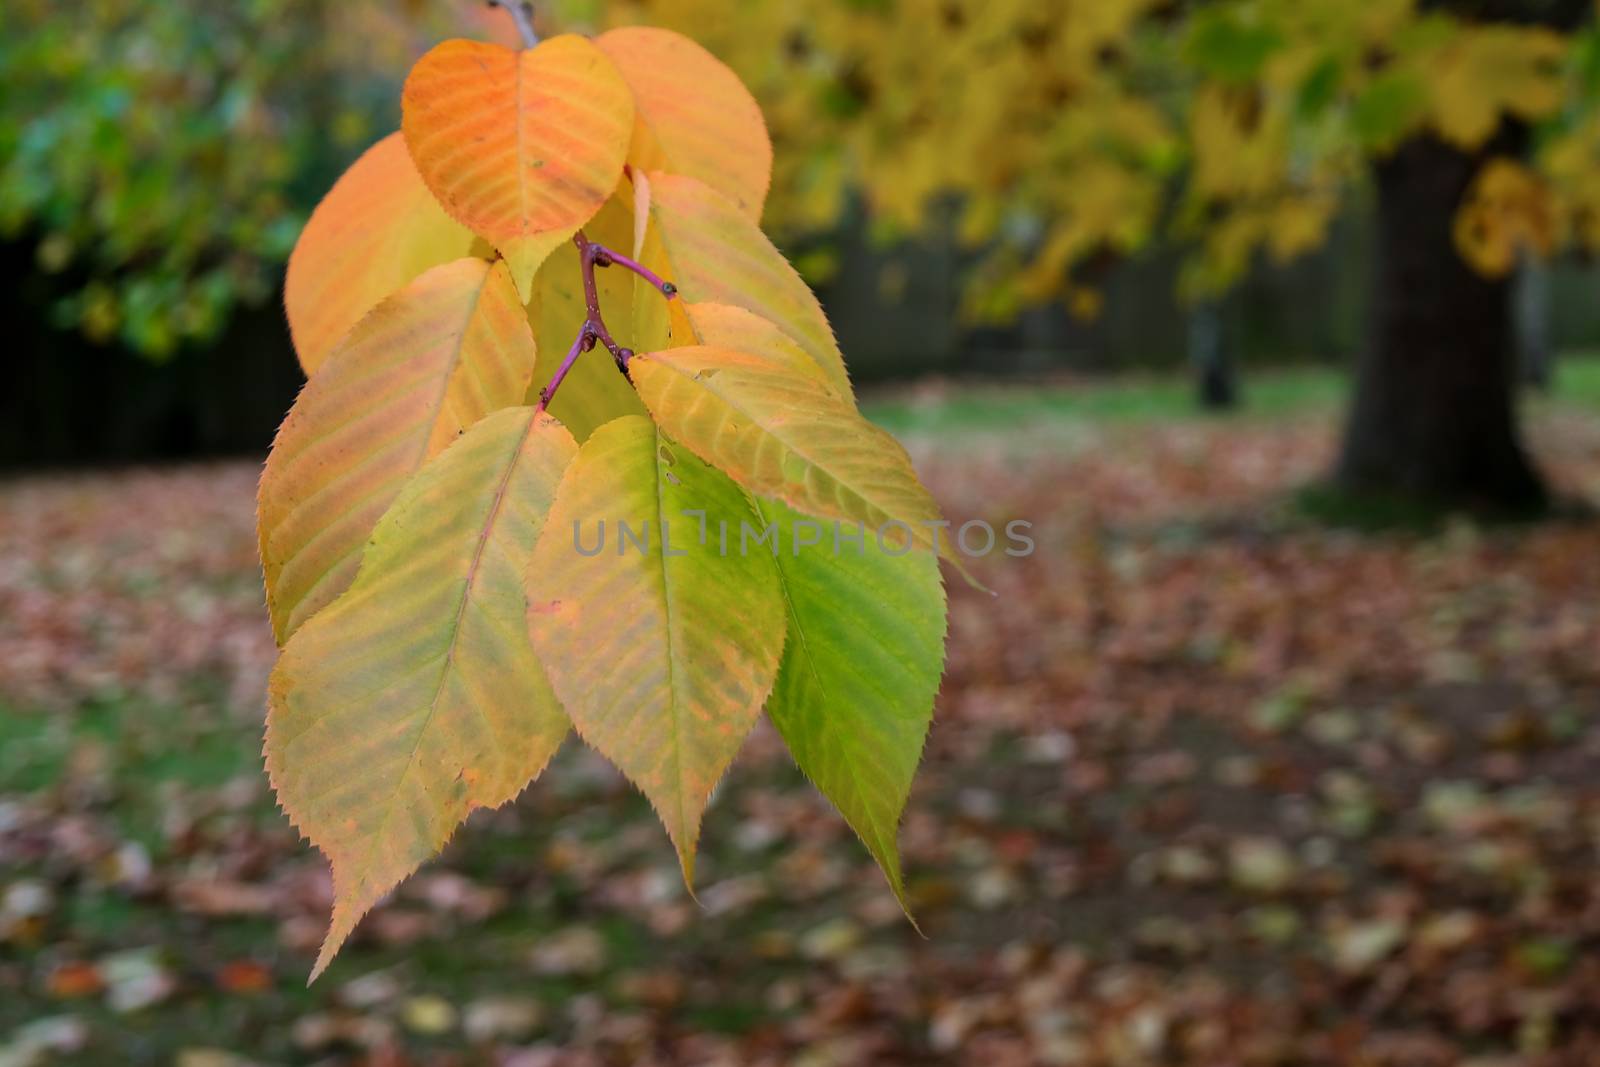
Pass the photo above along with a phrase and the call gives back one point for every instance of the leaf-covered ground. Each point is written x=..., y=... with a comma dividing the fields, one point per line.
x=1208, y=785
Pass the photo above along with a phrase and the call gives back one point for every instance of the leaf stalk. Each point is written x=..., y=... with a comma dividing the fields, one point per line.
x=521, y=12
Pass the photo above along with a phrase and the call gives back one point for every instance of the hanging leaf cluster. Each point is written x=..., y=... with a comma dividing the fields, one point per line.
x=577, y=449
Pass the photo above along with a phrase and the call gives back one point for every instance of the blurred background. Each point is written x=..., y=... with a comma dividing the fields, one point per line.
x=1276, y=318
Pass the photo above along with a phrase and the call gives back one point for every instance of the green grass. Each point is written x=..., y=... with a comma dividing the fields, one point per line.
x=1004, y=408
x=138, y=746
x=1578, y=379
x=1009, y=408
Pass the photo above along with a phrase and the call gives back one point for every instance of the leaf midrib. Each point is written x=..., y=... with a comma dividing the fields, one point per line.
x=672, y=672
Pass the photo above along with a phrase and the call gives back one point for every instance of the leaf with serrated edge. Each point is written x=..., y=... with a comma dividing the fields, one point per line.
x=421, y=367
x=861, y=665
x=693, y=115
x=377, y=229
x=520, y=147
x=416, y=697
x=661, y=660
x=783, y=435
x=715, y=254
x=734, y=328
x=595, y=392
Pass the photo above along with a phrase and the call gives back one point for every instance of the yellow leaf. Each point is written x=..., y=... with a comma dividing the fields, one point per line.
x=1484, y=71
x=419, y=369
x=715, y=254
x=416, y=697
x=1506, y=214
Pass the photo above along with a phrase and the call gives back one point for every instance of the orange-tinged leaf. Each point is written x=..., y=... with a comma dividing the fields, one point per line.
x=692, y=115
x=377, y=229
x=520, y=147
x=416, y=697
x=783, y=435
x=244, y=977
x=420, y=368
x=715, y=254
x=662, y=653
x=75, y=979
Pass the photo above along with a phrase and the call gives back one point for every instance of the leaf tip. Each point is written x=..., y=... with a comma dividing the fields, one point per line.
x=339, y=930
x=686, y=856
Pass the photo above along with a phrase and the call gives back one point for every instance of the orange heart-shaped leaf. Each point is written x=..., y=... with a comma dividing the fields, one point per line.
x=520, y=147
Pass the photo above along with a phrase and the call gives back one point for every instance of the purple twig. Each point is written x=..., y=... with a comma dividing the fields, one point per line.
x=594, y=331
x=581, y=344
x=590, y=255
x=604, y=257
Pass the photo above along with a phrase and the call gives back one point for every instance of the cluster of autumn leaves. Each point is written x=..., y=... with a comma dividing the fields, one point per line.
x=441, y=629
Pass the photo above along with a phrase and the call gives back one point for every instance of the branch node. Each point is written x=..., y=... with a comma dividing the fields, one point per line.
x=593, y=332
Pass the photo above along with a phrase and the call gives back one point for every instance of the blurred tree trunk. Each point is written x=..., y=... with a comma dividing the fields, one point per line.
x=1211, y=356
x=1434, y=418
x=1435, y=415
x=1534, y=354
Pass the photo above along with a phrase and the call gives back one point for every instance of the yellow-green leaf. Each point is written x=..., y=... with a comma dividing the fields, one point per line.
x=661, y=652
x=861, y=665
x=715, y=254
x=783, y=435
x=416, y=697
x=734, y=328
x=420, y=368
x=376, y=230
x=520, y=147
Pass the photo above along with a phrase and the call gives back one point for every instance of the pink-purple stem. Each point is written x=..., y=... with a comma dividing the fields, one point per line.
x=583, y=343
x=594, y=331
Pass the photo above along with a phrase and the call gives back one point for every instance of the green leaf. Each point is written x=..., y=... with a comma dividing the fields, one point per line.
x=1319, y=88
x=663, y=648
x=861, y=665
x=416, y=697
x=1224, y=45
x=1384, y=112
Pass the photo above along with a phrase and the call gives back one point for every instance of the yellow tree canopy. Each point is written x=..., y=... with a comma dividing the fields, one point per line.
x=1070, y=131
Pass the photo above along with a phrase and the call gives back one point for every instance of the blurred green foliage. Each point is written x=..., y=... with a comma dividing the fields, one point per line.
x=161, y=156
x=164, y=155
